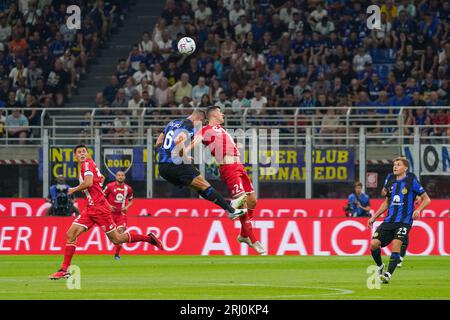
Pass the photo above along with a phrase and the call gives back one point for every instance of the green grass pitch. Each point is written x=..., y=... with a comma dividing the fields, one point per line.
x=222, y=277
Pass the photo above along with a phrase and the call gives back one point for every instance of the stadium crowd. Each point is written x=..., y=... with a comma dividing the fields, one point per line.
x=42, y=60
x=269, y=56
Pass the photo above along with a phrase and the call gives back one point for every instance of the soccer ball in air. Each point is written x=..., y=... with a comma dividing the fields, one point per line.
x=186, y=46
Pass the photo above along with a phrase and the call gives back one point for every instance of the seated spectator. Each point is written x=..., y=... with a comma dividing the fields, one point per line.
x=157, y=74
x=110, y=91
x=142, y=73
x=17, y=126
x=223, y=103
x=146, y=45
x=57, y=83
x=182, y=88
x=120, y=102
x=240, y=103
x=162, y=92
x=145, y=85
x=330, y=126
x=200, y=90
x=135, y=103
x=258, y=102
x=440, y=119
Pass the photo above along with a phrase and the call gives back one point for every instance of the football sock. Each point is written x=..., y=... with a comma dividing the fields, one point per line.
x=376, y=255
x=69, y=250
x=395, y=259
x=243, y=219
x=118, y=247
x=403, y=249
x=136, y=237
x=212, y=195
x=248, y=223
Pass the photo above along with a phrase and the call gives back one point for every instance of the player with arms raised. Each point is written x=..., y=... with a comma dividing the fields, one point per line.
x=232, y=172
x=176, y=136
x=97, y=212
x=399, y=202
x=120, y=197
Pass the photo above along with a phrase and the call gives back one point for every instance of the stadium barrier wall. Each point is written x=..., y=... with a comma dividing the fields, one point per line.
x=217, y=236
x=198, y=208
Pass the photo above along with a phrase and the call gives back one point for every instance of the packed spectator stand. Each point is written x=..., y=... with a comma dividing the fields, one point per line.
x=264, y=56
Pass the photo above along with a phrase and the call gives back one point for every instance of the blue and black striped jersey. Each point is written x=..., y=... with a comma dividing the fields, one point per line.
x=401, y=195
x=171, y=131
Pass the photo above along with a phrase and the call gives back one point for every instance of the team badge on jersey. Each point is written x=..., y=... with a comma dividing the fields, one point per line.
x=404, y=191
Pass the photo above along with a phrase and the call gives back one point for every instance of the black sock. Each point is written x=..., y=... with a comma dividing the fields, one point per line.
x=376, y=255
x=212, y=195
x=395, y=259
x=403, y=249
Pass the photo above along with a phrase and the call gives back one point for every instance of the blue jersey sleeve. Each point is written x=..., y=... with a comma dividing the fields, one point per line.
x=387, y=180
x=417, y=187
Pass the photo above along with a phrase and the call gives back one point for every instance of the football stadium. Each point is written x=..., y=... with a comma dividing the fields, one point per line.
x=225, y=150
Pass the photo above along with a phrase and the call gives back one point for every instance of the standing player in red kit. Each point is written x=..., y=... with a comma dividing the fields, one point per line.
x=120, y=197
x=97, y=212
x=232, y=172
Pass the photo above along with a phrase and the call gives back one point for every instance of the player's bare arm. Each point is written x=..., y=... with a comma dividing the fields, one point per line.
x=383, y=207
x=128, y=206
x=425, y=201
x=160, y=140
x=88, y=180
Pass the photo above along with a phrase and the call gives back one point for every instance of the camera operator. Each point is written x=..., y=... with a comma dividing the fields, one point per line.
x=62, y=204
x=358, y=203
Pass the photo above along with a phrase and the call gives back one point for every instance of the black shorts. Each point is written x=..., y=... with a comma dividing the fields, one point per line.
x=180, y=175
x=388, y=231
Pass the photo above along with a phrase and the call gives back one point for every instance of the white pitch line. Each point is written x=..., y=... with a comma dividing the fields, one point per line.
x=340, y=291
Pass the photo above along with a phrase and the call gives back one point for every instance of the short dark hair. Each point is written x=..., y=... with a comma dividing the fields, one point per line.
x=79, y=147
x=211, y=109
x=358, y=184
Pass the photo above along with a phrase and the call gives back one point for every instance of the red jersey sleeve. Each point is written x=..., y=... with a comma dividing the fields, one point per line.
x=107, y=190
x=130, y=193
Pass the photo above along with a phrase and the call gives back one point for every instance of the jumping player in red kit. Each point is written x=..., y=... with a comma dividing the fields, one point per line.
x=232, y=172
x=120, y=198
x=97, y=212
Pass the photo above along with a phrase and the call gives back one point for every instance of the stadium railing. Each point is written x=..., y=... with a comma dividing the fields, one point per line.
x=339, y=128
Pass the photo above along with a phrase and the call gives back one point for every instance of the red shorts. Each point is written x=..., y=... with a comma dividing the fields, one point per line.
x=120, y=220
x=99, y=214
x=236, y=178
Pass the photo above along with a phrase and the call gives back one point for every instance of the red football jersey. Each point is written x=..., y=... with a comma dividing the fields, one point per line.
x=94, y=193
x=118, y=196
x=219, y=142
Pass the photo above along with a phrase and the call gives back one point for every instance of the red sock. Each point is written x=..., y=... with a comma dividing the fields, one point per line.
x=248, y=223
x=69, y=250
x=243, y=219
x=118, y=247
x=136, y=237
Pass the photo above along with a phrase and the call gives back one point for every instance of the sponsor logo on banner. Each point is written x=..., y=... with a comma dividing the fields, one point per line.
x=117, y=160
x=434, y=159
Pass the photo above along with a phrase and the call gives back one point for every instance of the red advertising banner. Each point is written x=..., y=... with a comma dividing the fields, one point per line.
x=266, y=208
x=216, y=236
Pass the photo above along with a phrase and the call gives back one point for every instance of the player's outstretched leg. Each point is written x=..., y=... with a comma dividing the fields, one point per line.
x=209, y=193
x=403, y=252
x=121, y=230
x=375, y=249
x=246, y=235
x=131, y=237
x=394, y=260
x=72, y=234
